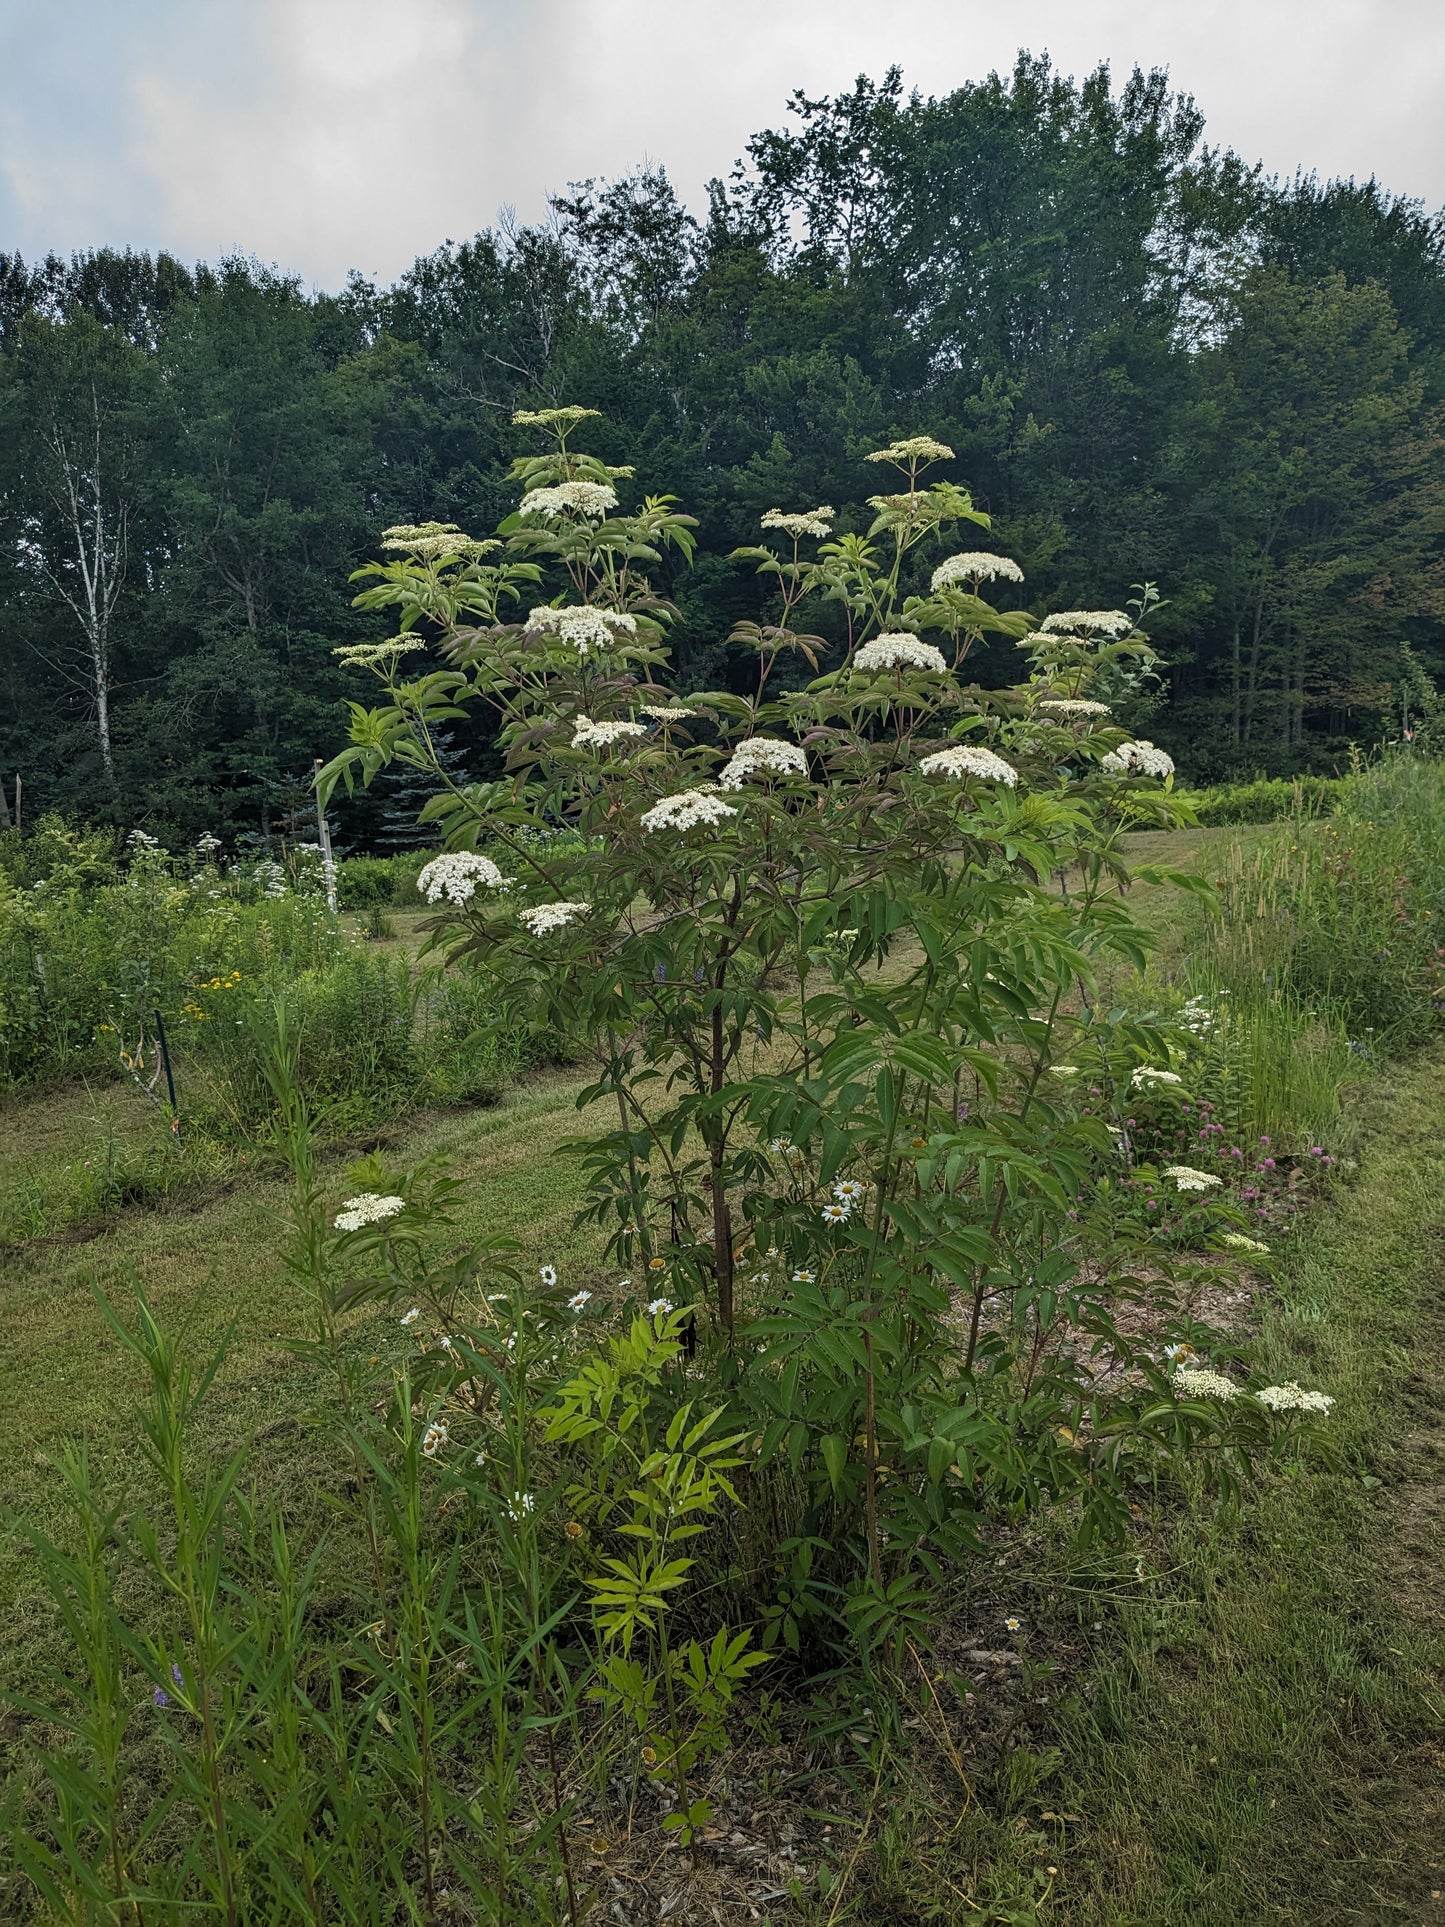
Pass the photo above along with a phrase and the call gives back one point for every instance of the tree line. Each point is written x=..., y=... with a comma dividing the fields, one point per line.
x=1153, y=362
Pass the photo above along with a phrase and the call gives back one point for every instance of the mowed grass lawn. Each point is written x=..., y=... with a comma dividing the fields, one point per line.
x=210, y=1263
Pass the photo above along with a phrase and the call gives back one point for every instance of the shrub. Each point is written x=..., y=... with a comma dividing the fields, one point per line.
x=1266, y=799
x=828, y=954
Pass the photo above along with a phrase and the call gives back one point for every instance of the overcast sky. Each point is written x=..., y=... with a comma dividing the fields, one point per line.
x=330, y=134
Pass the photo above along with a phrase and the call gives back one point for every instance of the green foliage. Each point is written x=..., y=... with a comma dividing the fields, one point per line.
x=1049, y=270
x=1344, y=913
x=87, y=960
x=1267, y=799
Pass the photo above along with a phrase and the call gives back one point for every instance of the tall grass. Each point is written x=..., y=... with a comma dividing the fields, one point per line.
x=1325, y=951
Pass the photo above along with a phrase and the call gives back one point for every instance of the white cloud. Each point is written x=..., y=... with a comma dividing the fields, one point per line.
x=326, y=134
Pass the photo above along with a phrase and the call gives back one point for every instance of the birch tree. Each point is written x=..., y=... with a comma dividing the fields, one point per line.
x=86, y=568
x=73, y=531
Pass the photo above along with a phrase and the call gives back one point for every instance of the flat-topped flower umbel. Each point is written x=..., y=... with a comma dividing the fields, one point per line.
x=686, y=811
x=456, y=875
x=970, y=759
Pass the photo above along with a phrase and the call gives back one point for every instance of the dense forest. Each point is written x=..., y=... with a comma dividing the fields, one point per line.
x=1153, y=362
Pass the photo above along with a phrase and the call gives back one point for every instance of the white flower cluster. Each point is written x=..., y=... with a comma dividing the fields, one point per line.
x=1071, y=707
x=141, y=840
x=1193, y=1381
x=590, y=735
x=917, y=448
x=1145, y=1075
x=1196, y=1018
x=539, y=918
x=378, y=655
x=434, y=541
x=975, y=566
x=1188, y=1179
x=1237, y=1241
x=677, y=714
x=567, y=417
x=1137, y=759
x=368, y=1208
x=762, y=756
x=207, y=846
x=582, y=627
x=434, y=1438
x=456, y=876
x=1293, y=1398
x=814, y=522
x=1088, y=622
x=686, y=811
x=899, y=652
x=584, y=498
x=970, y=759
x=272, y=879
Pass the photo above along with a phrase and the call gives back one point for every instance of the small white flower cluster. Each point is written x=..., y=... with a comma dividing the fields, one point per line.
x=377, y=655
x=659, y=714
x=686, y=811
x=434, y=541
x=567, y=417
x=1237, y=1241
x=1194, y=1017
x=975, y=566
x=434, y=1438
x=1137, y=759
x=207, y=846
x=456, y=876
x=762, y=756
x=919, y=448
x=590, y=735
x=272, y=879
x=1145, y=1075
x=581, y=626
x=814, y=522
x=1293, y=1398
x=583, y=498
x=1088, y=622
x=1188, y=1179
x=970, y=759
x=540, y=918
x=1072, y=708
x=1194, y=1381
x=369, y=1208
x=899, y=652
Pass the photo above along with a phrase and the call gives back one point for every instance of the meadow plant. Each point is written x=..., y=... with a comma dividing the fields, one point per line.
x=834, y=951
x=815, y=943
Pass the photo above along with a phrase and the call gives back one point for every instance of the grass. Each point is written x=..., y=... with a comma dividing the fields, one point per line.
x=1254, y=1734
x=208, y=1261
x=1257, y=1733
x=1269, y=1742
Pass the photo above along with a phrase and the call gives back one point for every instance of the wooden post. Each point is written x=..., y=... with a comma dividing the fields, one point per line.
x=323, y=830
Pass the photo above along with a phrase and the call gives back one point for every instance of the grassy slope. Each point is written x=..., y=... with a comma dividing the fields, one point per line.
x=209, y=1262
x=1262, y=1745
x=1269, y=1744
